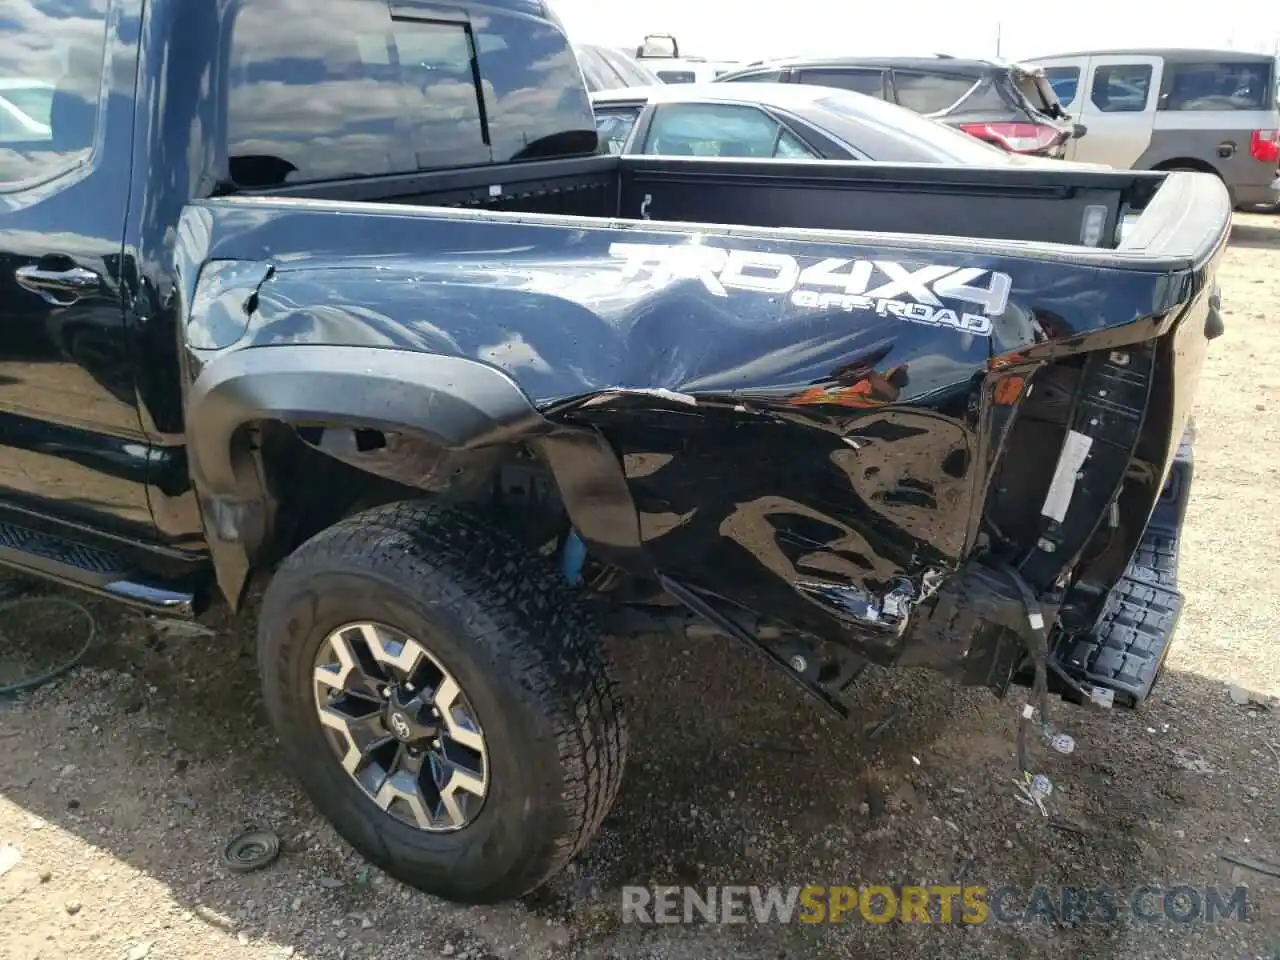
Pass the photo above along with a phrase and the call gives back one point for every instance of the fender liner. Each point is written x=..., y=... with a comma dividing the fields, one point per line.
x=454, y=403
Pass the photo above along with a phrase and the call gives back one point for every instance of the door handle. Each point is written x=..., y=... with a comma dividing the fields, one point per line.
x=1226, y=148
x=58, y=287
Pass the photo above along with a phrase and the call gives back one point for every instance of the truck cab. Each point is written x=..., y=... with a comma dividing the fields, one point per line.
x=147, y=106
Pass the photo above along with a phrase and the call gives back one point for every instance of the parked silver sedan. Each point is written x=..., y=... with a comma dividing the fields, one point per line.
x=781, y=120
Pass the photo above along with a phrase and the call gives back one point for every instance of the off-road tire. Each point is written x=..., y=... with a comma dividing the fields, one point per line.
x=524, y=649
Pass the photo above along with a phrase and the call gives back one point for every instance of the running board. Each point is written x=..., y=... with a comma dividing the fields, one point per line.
x=91, y=568
x=1126, y=651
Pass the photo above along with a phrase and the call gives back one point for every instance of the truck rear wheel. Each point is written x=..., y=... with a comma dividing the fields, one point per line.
x=444, y=698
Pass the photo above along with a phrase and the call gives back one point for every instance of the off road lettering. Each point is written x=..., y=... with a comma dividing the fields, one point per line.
x=917, y=293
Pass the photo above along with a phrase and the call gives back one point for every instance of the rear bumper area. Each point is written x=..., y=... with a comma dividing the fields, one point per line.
x=1255, y=195
x=1125, y=652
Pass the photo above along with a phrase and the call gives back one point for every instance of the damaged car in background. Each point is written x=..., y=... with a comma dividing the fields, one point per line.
x=441, y=382
x=1010, y=105
x=794, y=121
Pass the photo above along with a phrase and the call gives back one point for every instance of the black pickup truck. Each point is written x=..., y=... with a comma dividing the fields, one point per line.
x=337, y=297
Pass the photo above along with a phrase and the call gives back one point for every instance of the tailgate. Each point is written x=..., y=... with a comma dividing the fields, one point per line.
x=1115, y=427
x=1122, y=395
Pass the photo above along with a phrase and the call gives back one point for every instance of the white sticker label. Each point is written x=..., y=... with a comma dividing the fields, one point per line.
x=1070, y=460
x=918, y=293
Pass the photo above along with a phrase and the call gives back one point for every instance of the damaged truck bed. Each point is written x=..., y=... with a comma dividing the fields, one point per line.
x=907, y=447
x=348, y=312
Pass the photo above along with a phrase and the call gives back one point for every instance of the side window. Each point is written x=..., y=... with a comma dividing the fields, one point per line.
x=1121, y=88
x=790, y=147
x=929, y=93
x=348, y=91
x=614, y=126
x=536, y=104
x=869, y=82
x=719, y=130
x=52, y=54
x=442, y=111
x=1217, y=86
x=1064, y=80
x=764, y=76
x=986, y=99
x=332, y=96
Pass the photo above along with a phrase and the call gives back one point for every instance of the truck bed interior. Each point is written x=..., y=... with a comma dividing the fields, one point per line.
x=1063, y=206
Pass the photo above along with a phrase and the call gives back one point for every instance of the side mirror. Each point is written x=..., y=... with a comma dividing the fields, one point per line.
x=1078, y=130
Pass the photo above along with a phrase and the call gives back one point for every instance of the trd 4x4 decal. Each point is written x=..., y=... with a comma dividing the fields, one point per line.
x=915, y=293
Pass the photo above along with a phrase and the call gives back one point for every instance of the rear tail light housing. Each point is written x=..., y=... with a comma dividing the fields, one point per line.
x=1264, y=146
x=1017, y=137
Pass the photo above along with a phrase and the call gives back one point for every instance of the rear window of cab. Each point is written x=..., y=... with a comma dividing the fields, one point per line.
x=352, y=91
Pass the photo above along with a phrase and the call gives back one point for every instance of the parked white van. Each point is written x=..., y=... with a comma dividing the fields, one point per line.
x=1164, y=109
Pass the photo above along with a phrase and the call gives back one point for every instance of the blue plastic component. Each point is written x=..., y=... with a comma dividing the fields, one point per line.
x=573, y=557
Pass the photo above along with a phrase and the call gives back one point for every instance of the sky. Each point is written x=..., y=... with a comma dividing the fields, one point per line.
x=745, y=29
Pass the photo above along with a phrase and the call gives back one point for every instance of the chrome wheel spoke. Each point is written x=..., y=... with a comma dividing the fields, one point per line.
x=459, y=727
x=401, y=654
x=459, y=782
x=403, y=786
x=363, y=734
x=347, y=675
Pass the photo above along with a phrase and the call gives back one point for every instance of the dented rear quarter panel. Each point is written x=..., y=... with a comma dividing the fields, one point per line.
x=780, y=450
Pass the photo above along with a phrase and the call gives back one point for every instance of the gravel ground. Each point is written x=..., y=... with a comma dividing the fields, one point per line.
x=120, y=783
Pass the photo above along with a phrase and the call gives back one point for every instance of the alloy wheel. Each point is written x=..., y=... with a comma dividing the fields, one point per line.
x=401, y=726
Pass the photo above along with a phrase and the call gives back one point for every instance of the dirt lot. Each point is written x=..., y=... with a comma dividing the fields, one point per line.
x=120, y=784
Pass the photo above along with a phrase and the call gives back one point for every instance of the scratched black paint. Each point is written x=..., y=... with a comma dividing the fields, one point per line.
x=746, y=483
x=768, y=490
